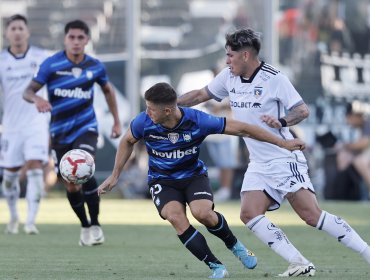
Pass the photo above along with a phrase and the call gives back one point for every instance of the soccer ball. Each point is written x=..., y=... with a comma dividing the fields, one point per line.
x=77, y=166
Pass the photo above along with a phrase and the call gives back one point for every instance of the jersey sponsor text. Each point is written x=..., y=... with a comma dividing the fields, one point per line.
x=242, y=104
x=175, y=153
x=73, y=93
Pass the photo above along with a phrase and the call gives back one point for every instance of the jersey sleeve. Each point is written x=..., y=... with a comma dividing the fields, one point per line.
x=137, y=126
x=102, y=78
x=43, y=73
x=210, y=124
x=286, y=93
x=217, y=87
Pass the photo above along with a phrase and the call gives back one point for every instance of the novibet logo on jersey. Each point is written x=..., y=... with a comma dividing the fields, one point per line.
x=73, y=93
x=175, y=153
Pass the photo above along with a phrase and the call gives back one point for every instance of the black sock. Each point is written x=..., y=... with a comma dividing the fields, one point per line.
x=195, y=242
x=76, y=201
x=90, y=192
x=222, y=231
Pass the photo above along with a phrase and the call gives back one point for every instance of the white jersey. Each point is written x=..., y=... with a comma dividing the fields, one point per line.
x=266, y=92
x=15, y=75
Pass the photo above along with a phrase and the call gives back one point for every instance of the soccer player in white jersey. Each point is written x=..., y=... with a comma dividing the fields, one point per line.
x=259, y=94
x=25, y=139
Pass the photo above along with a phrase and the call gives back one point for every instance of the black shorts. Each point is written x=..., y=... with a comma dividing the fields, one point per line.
x=183, y=191
x=87, y=142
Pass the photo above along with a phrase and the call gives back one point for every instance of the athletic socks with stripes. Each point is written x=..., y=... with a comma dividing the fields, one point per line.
x=195, y=242
x=344, y=233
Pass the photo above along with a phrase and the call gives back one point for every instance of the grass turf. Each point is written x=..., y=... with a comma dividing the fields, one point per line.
x=140, y=245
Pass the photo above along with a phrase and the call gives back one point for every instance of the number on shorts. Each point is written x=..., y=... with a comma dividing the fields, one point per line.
x=156, y=189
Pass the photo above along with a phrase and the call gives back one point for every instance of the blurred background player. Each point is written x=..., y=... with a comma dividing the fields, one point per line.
x=70, y=76
x=223, y=152
x=25, y=136
x=222, y=149
x=356, y=154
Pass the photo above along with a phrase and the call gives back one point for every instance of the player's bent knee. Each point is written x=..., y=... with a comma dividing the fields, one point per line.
x=72, y=188
x=246, y=216
x=205, y=216
x=311, y=218
x=176, y=219
x=311, y=222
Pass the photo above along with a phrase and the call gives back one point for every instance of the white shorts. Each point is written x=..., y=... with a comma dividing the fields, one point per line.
x=277, y=179
x=19, y=147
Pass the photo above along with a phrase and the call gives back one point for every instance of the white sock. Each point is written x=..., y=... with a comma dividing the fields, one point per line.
x=339, y=229
x=11, y=190
x=35, y=185
x=276, y=239
x=366, y=254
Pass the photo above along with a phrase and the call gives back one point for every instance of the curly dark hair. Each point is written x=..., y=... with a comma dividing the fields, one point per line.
x=243, y=38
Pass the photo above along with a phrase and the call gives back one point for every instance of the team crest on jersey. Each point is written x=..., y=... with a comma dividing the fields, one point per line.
x=173, y=137
x=89, y=74
x=257, y=92
x=187, y=137
x=76, y=72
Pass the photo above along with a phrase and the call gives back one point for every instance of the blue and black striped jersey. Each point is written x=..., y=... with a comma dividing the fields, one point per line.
x=71, y=92
x=174, y=153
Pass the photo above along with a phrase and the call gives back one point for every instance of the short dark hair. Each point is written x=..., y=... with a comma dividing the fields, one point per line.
x=77, y=24
x=161, y=93
x=16, y=17
x=243, y=38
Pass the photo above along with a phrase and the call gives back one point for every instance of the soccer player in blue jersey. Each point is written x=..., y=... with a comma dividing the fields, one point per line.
x=177, y=176
x=70, y=76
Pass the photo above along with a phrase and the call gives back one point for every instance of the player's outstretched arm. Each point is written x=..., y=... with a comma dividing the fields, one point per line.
x=110, y=97
x=193, y=97
x=124, y=151
x=29, y=95
x=294, y=116
x=237, y=128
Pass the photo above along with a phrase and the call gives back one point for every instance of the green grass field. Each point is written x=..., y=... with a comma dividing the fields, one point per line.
x=140, y=245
